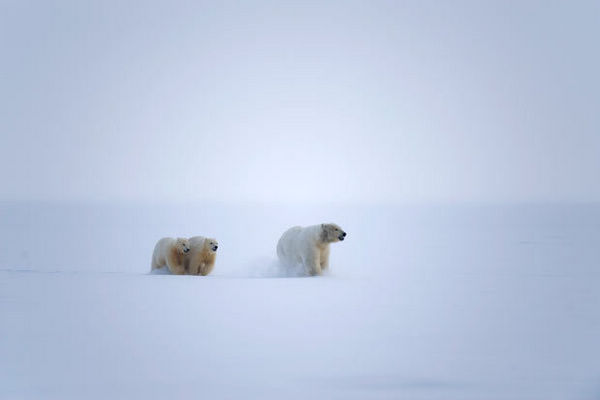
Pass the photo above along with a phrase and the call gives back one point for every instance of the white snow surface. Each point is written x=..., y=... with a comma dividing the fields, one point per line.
x=422, y=302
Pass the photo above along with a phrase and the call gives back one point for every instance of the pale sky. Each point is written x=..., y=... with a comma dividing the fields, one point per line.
x=350, y=102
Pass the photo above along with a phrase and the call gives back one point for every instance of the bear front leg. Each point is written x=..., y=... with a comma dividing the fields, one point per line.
x=313, y=262
x=176, y=264
x=202, y=269
x=325, y=258
x=177, y=269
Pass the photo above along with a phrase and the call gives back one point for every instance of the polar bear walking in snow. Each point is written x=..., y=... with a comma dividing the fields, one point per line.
x=202, y=256
x=171, y=253
x=309, y=246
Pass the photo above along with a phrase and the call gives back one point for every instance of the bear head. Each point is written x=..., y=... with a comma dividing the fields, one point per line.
x=182, y=245
x=331, y=233
x=211, y=244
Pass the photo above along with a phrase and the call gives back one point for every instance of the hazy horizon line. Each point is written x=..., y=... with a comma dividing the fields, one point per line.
x=309, y=204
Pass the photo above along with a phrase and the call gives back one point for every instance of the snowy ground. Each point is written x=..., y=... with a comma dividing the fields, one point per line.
x=446, y=302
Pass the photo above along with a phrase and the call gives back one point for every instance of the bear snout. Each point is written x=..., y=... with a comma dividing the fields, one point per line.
x=215, y=248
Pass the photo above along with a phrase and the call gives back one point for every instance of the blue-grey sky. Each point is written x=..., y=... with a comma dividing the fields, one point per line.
x=345, y=101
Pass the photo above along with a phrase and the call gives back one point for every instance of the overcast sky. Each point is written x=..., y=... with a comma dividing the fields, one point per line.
x=299, y=101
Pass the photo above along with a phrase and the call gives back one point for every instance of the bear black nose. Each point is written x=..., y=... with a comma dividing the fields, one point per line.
x=344, y=234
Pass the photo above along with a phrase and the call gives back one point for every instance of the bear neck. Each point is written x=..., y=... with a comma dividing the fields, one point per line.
x=323, y=237
x=322, y=242
x=207, y=254
x=177, y=254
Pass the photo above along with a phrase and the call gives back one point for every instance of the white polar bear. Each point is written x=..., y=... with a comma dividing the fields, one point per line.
x=309, y=246
x=202, y=257
x=171, y=253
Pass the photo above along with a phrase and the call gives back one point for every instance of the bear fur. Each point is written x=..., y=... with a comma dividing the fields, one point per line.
x=171, y=253
x=202, y=256
x=309, y=246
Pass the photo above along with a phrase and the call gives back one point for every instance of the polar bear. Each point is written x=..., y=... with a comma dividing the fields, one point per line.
x=309, y=246
x=171, y=253
x=203, y=253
